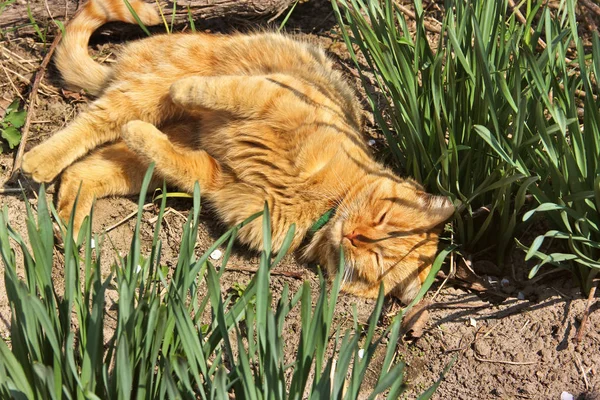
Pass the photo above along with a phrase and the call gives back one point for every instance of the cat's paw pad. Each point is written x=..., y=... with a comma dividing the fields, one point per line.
x=40, y=165
x=188, y=91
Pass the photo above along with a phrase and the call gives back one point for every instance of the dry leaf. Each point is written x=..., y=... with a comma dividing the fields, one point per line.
x=75, y=96
x=465, y=273
x=415, y=320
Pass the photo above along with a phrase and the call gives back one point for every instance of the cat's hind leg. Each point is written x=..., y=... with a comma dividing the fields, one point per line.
x=180, y=166
x=108, y=171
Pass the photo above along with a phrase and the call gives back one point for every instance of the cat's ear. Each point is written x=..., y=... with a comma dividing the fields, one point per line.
x=437, y=208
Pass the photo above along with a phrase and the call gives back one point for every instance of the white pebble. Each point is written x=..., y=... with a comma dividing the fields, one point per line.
x=215, y=255
x=492, y=280
x=361, y=353
x=92, y=243
x=521, y=296
x=566, y=396
x=472, y=321
x=372, y=142
x=138, y=269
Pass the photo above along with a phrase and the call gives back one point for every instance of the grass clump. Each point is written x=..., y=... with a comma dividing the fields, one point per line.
x=490, y=118
x=171, y=341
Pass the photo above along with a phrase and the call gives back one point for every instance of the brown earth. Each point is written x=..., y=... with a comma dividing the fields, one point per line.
x=516, y=345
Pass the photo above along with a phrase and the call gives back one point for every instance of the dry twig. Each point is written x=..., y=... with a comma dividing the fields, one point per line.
x=10, y=54
x=430, y=27
x=10, y=190
x=12, y=84
x=582, y=370
x=30, y=109
x=128, y=217
x=504, y=361
x=586, y=314
x=44, y=89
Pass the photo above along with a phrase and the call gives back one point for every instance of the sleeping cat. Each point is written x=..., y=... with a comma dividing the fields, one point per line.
x=251, y=118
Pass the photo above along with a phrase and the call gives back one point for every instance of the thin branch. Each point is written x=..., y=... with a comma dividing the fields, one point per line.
x=30, y=109
x=504, y=361
x=411, y=14
x=586, y=314
x=147, y=206
x=582, y=370
x=10, y=190
x=11, y=82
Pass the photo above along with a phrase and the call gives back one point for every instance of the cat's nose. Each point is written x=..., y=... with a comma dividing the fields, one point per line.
x=352, y=237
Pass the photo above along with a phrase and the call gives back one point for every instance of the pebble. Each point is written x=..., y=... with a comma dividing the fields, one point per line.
x=506, y=286
x=372, y=142
x=215, y=255
x=472, y=321
x=138, y=268
x=361, y=353
x=521, y=296
x=92, y=243
x=566, y=396
x=483, y=348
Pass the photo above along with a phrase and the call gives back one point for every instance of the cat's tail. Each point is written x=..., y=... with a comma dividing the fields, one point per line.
x=72, y=59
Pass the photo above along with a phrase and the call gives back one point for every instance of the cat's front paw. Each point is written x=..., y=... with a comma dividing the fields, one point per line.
x=187, y=92
x=143, y=138
x=133, y=134
x=41, y=165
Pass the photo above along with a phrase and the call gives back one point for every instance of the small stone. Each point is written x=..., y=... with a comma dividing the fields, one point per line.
x=521, y=296
x=361, y=353
x=483, y=348
x=566, y=396
x=215, y=255
x=506, y=286
x=138, y=269
x=92, y=243
x=372, y=142
x=472, y=321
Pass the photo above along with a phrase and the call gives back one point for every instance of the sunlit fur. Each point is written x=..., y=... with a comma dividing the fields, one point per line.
x=251, y=118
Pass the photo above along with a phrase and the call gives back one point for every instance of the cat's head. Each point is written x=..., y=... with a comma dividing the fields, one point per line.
x=388, y=229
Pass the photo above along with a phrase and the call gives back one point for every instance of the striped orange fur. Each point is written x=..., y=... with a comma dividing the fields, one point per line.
x=251, y=118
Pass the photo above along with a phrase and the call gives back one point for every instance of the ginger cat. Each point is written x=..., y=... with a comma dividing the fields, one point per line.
x=251, y=118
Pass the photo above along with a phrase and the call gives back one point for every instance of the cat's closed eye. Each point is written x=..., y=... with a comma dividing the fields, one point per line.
x=382, y=218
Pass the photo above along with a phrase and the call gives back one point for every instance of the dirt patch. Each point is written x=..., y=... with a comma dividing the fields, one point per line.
x=517, y=347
